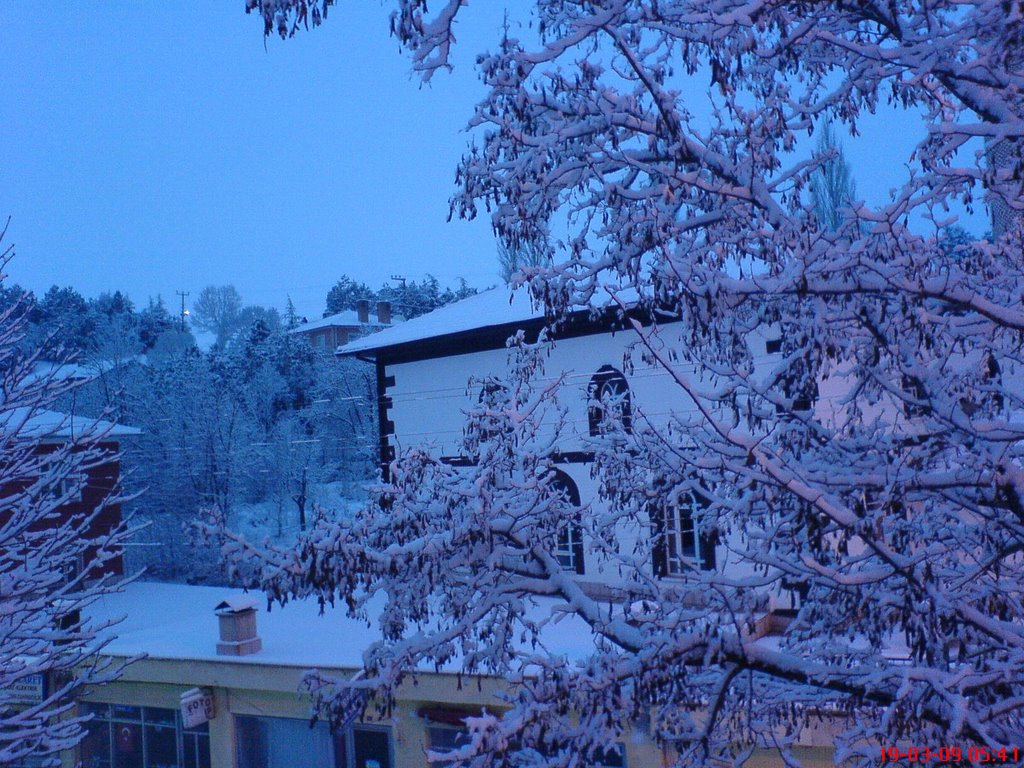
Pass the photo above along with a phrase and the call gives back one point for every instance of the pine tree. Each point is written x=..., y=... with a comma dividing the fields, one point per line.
x=832, y=185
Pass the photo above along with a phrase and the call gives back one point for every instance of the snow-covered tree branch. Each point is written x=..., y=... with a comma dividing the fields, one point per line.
x=872, y=474
x=54, y=559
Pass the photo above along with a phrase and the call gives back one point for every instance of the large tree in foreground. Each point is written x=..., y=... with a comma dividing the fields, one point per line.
x=893, y=506
x=52, y=562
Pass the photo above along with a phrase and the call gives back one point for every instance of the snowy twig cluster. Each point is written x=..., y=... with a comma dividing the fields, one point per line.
x=55, y=557
x=874, y=472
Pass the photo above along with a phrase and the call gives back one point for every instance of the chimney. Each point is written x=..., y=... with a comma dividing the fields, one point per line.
x=363, y=310
x=237, y=618
x=384, y=312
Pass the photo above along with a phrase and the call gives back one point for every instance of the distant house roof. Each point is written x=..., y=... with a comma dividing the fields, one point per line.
x=68, y=371
x=36, y=424
x=347, y=319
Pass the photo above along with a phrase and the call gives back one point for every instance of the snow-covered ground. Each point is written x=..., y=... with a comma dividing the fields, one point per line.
x=278, y=519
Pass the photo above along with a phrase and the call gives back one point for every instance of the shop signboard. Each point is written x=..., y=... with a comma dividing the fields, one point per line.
x=196, y=707
x=30, y=689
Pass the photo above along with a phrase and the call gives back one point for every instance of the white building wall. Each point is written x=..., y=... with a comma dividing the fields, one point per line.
x=430, y=399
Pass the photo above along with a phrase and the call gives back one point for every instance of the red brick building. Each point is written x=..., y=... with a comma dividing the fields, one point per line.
x=85, y=493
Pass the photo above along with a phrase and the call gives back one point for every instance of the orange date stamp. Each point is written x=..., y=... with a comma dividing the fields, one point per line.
x=952, y=755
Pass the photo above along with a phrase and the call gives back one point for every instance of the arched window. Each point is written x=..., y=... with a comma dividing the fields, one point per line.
x=608, y=400
x=492, y=397
x=569, y=550
x=681, y=539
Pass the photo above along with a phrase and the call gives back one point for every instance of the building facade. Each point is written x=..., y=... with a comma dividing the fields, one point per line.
x=424, y=365
x=247, y=679
x=191, y=702
x=331, y=332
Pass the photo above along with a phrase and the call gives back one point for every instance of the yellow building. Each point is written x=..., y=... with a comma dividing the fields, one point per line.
x=259, y=716
x=217, y=683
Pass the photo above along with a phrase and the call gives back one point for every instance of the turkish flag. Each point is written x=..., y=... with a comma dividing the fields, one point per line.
x=127, y=737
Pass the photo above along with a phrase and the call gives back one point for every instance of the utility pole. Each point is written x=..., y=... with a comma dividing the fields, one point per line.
x=184, y=311
x=399, y=279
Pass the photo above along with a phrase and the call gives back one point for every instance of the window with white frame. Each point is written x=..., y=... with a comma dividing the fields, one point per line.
x=680, y=543
x=609, y=401
x=569, y=549
x=278, y=742
x=66, y=484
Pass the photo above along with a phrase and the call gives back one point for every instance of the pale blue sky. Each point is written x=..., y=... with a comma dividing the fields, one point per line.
x=155, y=147
x=152, y=148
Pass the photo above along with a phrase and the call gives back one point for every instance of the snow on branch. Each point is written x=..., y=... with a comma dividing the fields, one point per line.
x=866, y=474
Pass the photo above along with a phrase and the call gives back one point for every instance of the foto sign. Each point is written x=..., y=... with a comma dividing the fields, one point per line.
x=196, y=707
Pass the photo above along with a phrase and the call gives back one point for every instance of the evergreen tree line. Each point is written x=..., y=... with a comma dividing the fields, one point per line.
x=408, y=298
x=255, y=426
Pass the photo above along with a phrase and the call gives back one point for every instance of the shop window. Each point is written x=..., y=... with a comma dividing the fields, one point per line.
x=569, y=551
x=277, y=742
x=444, y=739
x=609, y=401
x=679, y=543
x=121, y=736
x=602, y=758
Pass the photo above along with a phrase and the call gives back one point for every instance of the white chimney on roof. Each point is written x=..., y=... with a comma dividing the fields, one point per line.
x=237, y=619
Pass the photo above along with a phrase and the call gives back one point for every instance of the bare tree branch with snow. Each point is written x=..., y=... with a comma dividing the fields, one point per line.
x=54, y=559
x=874, y=470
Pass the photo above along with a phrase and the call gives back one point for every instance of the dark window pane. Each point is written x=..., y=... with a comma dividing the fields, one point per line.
x=121, y=712
x=251, y=742
x=161, y=747
x=95, y=749
x=445, y=740
x=161, y=716
x=201, y=728
x=127, y=745
x=609, y=398
x=202, y=752
x=340, y=750
x=197, y=751
x=371, y=748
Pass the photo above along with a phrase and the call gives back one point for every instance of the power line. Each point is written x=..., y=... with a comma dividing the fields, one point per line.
x=184, y=311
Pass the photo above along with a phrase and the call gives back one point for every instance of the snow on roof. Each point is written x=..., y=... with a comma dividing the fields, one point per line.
x=178, y=621
x=493, y=308
x=66, y=371
x=53, y=425
x=487, y=309
x=348, y=318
